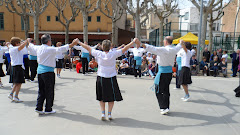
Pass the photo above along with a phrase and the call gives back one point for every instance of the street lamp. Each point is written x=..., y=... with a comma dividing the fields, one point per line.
x=181, y=16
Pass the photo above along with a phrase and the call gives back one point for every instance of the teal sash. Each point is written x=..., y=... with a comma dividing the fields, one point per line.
x=44, y=69
x=179, y=63
x=138, y=60
x=161, y=69
x=31, y=57
x=85, y=55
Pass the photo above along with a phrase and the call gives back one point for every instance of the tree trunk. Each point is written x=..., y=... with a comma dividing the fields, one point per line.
x=67, y=33
x=210, y=36
x=26, y=26
x=161, y=31
x=85, y=26
x=114, y=34
x=36, y=30
x=204, y=30
x=137, y=26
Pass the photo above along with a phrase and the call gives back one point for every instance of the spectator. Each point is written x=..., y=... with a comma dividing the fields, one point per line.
x=194, y=64
x=204, y=67
x=124, y=67
x=225, y=55
x=152, y=69
x=213, y=55
x=79, y=67
x=145, y=58
x=219, y=53
x=206, y=54
x=235, y=62
x=93, y=65
x=214, y=66
x=223, y=67
x=149, y=57
x=144, y=68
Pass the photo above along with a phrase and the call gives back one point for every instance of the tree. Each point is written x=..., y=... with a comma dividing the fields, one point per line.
x=10, y=5
x=208, y=7
x=86, y=8
x=138, y=10
x=114, y=11
x=1, y=2
x=167, y=8
x=36, y=8
x=61, y=5
x=212, y=19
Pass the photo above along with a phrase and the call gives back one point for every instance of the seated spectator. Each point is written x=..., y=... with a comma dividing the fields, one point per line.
x=144, y=68
x=79, y=67
x=149, y=57
x=124, y=67
x=225, y=55
x=204, y=67
x=213, y=55
x=194, y=63
x=152, y=69
x=214, y=66
x=145, y=59
x=223, y=67
x=93, y=65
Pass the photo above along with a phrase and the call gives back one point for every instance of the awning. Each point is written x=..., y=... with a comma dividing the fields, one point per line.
x=71, y=33
x=189, y=37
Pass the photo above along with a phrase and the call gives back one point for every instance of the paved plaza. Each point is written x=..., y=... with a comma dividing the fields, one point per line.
x=212, y=109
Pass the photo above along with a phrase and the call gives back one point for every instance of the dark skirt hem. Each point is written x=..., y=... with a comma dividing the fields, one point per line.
x=185, y=76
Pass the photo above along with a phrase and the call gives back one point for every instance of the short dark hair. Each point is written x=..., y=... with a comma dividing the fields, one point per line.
x=154, y=61
x=15, y=40
x=188, y=45
x=45, y=38
x=169, y=39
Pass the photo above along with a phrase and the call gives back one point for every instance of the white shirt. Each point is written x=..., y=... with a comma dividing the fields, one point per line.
x=106, y=62
x=25, y=50
x=166, y=55
x=59, y=55
x=180, y=53
x=225, y=56
x=10, y=46
x=185, y=61
x=31, y=51
x=16, y=56
x=83, y=50
x=124, y=65
x=137, y=51
x=2, y=50
x=46, y=55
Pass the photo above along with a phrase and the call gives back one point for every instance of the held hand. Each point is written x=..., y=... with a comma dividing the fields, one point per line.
x=29, y=40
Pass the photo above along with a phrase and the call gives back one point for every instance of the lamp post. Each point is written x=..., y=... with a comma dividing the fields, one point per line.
x=181, y=16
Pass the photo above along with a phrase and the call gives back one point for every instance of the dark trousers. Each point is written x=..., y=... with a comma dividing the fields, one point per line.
x=215, y=70
x=235, y=68
x=162, y=91
x=85, y=65
x=177, y=77
x=137, y=73
x=26, y=65
x=33, y=68
x=46, y=83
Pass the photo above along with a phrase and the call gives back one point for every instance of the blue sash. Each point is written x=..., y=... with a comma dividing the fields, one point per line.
x=25, y=56
x=44, y=69
x=138, y=60
x=179, y=62
x=85, y=55
x=31, y=57
x=161, y=69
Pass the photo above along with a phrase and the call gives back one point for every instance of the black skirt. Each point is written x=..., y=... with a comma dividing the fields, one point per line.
x=1, y=70
x=17, y=74
x=185, y=76
x=107, y=89
x=59, y=63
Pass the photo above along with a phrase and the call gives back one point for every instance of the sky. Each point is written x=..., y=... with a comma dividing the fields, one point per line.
x=186, y=3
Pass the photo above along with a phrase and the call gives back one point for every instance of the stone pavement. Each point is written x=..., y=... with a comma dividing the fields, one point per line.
x=212, y=110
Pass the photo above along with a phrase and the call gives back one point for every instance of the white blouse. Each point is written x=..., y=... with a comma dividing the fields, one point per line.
x=106, y=62
x=16, y=56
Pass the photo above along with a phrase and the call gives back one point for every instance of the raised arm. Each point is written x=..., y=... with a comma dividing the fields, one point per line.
x=129, y=45
x=23, y=45
x=87, y=47
x=121, y=46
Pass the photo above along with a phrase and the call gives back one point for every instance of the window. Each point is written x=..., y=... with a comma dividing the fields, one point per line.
x=57, y=19
x=89, y=18
x=194, y=27
x=186, y=17
x=98, y=18
x=48, y=18
x=166, y=20
x=73, y=20
x=1, y=21
x=22, y=23
x=214, y=26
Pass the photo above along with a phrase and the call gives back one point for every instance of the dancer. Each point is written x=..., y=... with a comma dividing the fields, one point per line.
x=46, y=55
x=166, y=56
x=2, y=74
x=138, y=53
x=16, y=72
x=33, y=63
x=185, y=74
x=26, y=64
x=179, y=67
x=59, y=60
x=85, y=57
x=106, y=86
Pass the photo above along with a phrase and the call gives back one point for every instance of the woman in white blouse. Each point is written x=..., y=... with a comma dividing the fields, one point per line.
x=107, y=88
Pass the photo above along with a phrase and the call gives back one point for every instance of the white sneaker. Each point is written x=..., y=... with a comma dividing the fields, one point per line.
x=10, y=97
x=33, y=81
x=17, y=100
x=110, y=117
x=165, y=111
x=176, y=88
x=153, y=77
x=40, y=112
x=103, y=117
x=123, y=74
x=28, y=80
x=186, y=99
x=52, y=112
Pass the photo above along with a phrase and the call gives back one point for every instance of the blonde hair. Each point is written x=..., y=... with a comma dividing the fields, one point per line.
x=58, y=43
